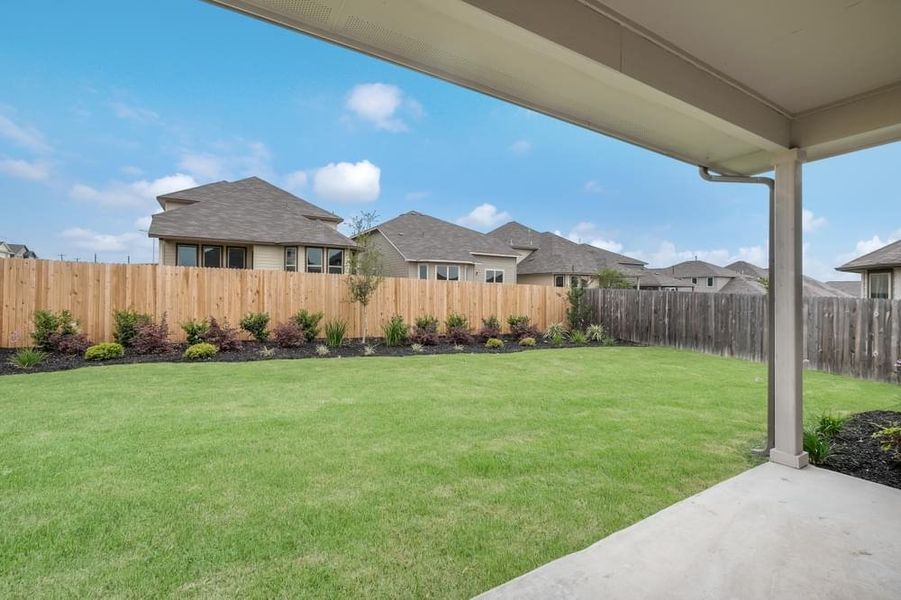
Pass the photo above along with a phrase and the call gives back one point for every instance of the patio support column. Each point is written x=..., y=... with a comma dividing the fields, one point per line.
x=785, y=286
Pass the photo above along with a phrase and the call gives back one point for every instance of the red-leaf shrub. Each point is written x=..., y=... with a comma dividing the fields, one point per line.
x=222, y=336
x=288, y=335
x=152, y=338
x=426, y=331
x=491, y=328
x=68, y=343
x=521, y=326
x=459, y=335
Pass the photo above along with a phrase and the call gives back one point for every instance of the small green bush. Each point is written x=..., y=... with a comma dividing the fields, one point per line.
x=27, y=358
x=527, y=341
x=257, y=325
x=309, y=323
x=105, y=351
x=335, y=331
x=890, y=440
x=456, y=321
x=491, y=328
x=578, y=337
x=396, y=331
x=58, y=332
x=818, y=448
x=194, y=330
x=126, y=323
x=494, y=343
x=201, y=350
x=555, y=334
x=521, y=326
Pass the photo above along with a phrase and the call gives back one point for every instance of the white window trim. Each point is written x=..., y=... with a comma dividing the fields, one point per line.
x=556, y=275
x=711, y=282
x=296, y=256
x=419, y=271
x=322, y=259
x=448, y=267
x=327, y=260
x=495, y=271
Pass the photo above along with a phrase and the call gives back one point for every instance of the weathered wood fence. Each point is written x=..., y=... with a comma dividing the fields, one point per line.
x=851, y=336
x=93, y=291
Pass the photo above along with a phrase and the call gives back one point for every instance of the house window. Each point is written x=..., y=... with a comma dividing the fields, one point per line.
x=237, y=257
x=694, y=280
x=335, y=261
x=447, y=273
x=559, y=281
x=291, y=258
x=494, y=276
x=186, y=255
x=314, y=260
x=880, y=283
x=212, y=256
x=423, y=271
x=710, y=282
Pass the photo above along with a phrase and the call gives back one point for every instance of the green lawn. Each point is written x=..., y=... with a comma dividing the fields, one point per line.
x=432, y=476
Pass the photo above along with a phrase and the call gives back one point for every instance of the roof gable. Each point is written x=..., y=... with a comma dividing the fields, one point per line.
x=887, y=256
x=420, y=237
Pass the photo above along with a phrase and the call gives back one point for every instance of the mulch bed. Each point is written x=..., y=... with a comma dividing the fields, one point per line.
x=251, y=352
x=855, y=452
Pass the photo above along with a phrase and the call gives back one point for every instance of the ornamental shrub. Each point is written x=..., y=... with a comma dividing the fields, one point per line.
x=495, y=343
x=491, y=328
x=521, y=326
x=257, y=325
x=222, y=336
x=288, y=335
x=194, y=330
x=200, y=350
x=105, y=351
x=125, y=325
x=152, y=338
x=527, y=342
x=309, y=323
x=425, y=333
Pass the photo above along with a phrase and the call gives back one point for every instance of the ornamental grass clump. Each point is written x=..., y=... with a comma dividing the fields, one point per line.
x=396, y=331
x=27, y=358
x=335, y=331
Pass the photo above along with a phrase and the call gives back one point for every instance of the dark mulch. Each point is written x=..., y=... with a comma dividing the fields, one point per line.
x=855, y=452
x=251, y=352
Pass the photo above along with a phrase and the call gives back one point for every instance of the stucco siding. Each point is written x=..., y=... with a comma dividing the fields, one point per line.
x=395, y=265
x=269, y=258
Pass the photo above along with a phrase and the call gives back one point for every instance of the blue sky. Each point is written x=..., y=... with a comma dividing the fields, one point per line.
x=106, y=104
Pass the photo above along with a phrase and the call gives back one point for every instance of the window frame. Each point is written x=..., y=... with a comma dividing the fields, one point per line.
x=289, y=267
x=694, y=281
x=178, y=248
x=203, y=249
x=447, y=269
x=496, y=272
x=710, y=282
x=561, y=278
x=889, y=283
x=228, y=250
x=421, y=275
x=306, y=259
x=328, y=259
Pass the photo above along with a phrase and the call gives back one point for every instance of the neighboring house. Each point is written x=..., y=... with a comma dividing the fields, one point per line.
x=418, y=246
x=852, y=288
x=248, y=224
x=10, y=250
x=758, y=279
x=549, y=259
x=880, y=272
x=706, y=277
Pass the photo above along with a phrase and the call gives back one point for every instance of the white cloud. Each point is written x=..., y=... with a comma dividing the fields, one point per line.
x=143, y=223
x=379, y=105
x=23, y=169
x=484, y=216
x=23, y=135
x=92, y=241
x=521, y=147
x=130, y=112
x=135, y=194
x=296, y=181
x=810, y=222
x=416, y=196
x=348, y=182
x=593, y=187
x=229, y=160
x=588, y=233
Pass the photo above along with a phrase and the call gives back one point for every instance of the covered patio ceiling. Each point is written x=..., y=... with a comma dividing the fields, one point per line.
x=725, y=84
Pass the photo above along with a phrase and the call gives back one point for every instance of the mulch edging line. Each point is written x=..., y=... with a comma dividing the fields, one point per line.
x=250, y=352
x=857, y=453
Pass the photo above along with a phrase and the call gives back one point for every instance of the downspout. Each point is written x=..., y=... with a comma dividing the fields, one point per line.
x=771, y=304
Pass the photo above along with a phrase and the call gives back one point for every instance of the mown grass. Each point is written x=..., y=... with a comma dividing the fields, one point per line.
x=431, y=476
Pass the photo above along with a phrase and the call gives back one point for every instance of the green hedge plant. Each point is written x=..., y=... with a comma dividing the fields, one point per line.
x=257, y=325
x=105, y=351
x=200, y=351
x=309, y=322
x=126, y=323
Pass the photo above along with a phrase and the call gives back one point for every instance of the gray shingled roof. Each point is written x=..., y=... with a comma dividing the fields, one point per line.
x=743, y=284
x=16, y=248
x=887, y=256
x=650, y=279
x=250, y=190
x=251, y=211
x=420, y=237
x=810, y=287
x=746, y=268
x=696, y=268
x=852, y=288
x=556, y=254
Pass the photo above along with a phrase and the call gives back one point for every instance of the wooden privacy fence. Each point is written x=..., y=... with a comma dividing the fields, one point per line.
x=851, y=336
x=93, y=291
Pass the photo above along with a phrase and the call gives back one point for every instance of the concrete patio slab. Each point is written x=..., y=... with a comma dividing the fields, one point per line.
x=771, y=532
